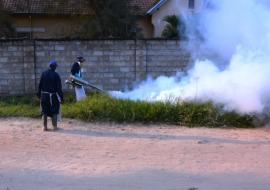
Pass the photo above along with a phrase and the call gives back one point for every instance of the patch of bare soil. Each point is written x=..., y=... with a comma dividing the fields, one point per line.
x=85, y=156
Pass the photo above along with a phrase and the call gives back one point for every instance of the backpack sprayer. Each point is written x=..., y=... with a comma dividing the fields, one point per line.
x=75, y=81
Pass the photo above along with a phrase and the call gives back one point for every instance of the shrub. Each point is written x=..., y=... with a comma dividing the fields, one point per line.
x=208, y=114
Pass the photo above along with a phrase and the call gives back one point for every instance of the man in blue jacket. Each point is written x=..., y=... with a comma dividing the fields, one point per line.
x=76, y=67
x=50, y=94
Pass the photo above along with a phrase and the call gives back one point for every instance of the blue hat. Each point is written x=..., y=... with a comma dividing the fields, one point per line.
x=80, y=58
x=53, y=62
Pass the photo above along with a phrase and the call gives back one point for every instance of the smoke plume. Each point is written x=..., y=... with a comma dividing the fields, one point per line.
x=238, y=32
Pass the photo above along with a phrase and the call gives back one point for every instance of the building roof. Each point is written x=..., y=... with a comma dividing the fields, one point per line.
x=156, y=7
x=45, y=6
x=60, y=7
x=143, y=5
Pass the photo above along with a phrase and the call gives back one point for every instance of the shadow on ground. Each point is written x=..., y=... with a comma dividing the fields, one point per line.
x=141, y=180
x=200, y=139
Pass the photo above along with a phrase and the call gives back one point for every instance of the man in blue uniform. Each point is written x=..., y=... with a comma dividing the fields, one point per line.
x=76, y=67
x=50, y=94
x=76, y=72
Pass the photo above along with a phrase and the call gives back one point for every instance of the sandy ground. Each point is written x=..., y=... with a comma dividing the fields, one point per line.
x=87, y=156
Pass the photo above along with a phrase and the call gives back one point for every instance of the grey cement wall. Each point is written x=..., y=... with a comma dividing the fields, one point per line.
x=110, y=64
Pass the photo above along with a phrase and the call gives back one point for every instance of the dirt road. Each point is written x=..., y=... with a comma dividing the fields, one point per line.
x=85, y=156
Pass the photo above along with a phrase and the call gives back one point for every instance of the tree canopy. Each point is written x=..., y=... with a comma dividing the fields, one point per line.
x=175, y=27
x=108, y=19
x=6, y=29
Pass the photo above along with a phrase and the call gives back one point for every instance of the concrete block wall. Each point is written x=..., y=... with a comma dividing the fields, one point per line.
x=110, y=64
x=17, y=67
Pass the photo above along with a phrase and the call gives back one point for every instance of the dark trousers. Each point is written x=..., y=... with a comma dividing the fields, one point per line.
x=54, y=121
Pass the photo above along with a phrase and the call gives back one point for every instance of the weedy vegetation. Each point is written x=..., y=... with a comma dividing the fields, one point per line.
x=100, y=107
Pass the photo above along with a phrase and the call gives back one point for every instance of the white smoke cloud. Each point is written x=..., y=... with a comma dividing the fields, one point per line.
x=239, y=32
x=236, y=23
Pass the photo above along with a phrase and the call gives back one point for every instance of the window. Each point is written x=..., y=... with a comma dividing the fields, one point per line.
x=27, y=32
x=191, y=4
x=23, y=35
x=30, y=29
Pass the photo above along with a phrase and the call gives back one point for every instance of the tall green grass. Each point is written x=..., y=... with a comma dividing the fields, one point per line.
x=98, y=107
x=106, y=108
x=19, y=106
x=23, y=106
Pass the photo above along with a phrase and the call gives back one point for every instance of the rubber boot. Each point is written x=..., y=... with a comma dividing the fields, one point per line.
x=54, y=122
x=45, y=123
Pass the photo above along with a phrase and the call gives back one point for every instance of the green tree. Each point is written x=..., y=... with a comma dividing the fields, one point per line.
x=6, y=29
x=109, y=18
x=175, y=28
